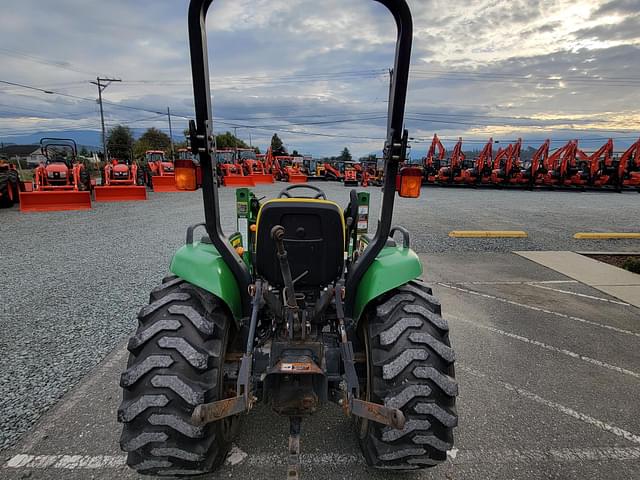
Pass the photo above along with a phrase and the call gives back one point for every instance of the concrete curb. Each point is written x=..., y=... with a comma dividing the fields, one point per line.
x=611, y=280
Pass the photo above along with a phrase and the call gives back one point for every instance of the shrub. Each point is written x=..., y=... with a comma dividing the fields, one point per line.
x=632, y=264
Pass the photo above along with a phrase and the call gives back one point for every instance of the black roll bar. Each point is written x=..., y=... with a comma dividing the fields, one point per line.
x=202, y=144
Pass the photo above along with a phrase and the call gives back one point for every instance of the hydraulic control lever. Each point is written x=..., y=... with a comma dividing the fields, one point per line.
x=277, y=234
x=289, y=293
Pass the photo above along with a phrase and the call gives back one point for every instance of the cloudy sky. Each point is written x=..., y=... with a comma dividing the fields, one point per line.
x=317, y=72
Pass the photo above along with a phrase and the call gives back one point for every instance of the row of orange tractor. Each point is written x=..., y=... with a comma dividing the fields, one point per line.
x=567, y=166
x=244, y=168
x=62, y=181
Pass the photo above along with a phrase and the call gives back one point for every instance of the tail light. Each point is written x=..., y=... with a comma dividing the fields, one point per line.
x=185, y=175
x=409, y=182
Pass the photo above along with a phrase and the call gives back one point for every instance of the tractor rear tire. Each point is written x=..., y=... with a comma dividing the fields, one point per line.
x=140, y=178
x=176, y=362
x=85, y=180
x=410, y=366
x=9, y=188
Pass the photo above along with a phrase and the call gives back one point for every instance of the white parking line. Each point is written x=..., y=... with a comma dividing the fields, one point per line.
x=455, y=456
x=66, y=462
x=591, y=297
x=542, y=282
x=551, y=348
x=620, y=432
x=539, y=309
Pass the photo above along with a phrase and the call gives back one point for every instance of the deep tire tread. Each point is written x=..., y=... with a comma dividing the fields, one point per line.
x=175, y=363
x=412, y=368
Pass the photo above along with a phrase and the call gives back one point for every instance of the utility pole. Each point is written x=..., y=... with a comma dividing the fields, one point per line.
x=235, y=139
x=173, y=153
x=103, y=83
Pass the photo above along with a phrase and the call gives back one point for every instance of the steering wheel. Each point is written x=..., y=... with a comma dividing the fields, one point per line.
x=286, y=192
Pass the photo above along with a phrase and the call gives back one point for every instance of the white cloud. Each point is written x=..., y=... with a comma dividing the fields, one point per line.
x=293, y=64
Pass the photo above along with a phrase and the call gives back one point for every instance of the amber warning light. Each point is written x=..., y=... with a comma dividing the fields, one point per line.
x=409, y=182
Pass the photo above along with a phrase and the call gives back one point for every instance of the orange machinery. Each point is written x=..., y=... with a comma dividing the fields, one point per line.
x=482, y=168
x=285, y=168
x=253, y=166
x=629, y=167
x=121, y=181
x=351, y=172
x=291, y=169
x=509, y=168
x=432, y=162
x=539, y=164
x=452, y=168
x=162, y=171
x=558, y=164
x=231, y=169
x=61, y=182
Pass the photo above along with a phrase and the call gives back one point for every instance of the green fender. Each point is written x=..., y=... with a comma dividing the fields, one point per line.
x=202, y=265
x=393, y=267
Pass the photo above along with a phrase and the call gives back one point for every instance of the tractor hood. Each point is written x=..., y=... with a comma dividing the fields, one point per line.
x=58, y=167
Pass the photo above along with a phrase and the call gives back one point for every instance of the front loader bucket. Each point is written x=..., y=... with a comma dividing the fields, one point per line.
x=164, y=183
x=120, y=193
x=50, y=201
x=238, y=181
x=297, y=178
x=259, y=178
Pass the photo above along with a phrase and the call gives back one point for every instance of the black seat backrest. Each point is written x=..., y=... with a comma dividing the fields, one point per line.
x=314, y=240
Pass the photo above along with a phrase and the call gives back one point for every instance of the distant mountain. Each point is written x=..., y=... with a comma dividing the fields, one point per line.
x=90, y=139
x=84, y=138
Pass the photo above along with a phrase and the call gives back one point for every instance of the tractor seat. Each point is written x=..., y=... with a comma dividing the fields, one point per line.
x=314, y=240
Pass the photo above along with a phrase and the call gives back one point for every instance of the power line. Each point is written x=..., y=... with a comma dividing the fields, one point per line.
x=43, y=61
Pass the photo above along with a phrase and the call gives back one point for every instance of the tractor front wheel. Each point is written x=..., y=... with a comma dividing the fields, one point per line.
x=409, y=367
x=176, y=362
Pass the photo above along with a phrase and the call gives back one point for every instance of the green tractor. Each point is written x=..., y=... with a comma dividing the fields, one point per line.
x=297, y=309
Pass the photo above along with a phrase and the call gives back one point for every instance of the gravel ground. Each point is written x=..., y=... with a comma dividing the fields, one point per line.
x=72, y=282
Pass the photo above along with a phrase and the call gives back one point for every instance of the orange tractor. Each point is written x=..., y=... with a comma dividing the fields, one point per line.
x=371, y=174
x=160, y=171
x=289, y=169
x=231, y=170
x=61, y=182
x=253, y=166
x=352, y=174
x=122, y=180
x=10, y=185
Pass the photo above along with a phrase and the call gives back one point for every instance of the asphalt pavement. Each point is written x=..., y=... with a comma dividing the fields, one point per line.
x=548, y=367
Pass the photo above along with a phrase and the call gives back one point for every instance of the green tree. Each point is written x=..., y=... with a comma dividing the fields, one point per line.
x=119, y=142
x=152, y=139
x=277, y=147
x=345, y=156
x=229, y=140
x=295, y=154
